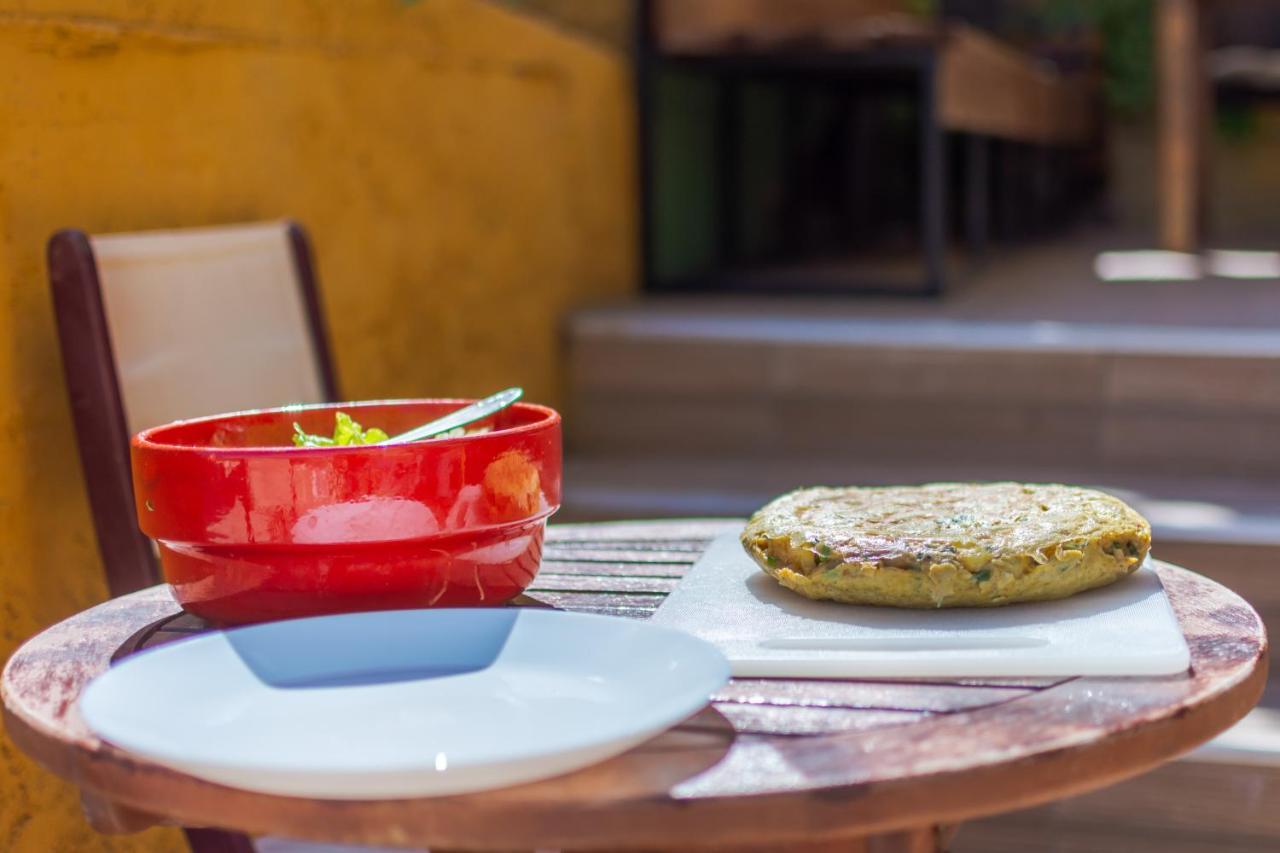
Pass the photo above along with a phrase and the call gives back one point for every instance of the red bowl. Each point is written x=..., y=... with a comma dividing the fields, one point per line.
x=251, y=528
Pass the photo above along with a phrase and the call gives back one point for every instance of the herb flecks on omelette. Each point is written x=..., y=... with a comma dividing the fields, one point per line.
x=946, y=544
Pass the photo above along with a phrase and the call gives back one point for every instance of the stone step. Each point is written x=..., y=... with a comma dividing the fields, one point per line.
x=1181, y=807
x=653, y=484
x=1210, y=799
x=1198, y=401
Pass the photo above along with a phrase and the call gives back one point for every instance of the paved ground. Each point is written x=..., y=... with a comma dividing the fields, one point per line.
x=1047, y=281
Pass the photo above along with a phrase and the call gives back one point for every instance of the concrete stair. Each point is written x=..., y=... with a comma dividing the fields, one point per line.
x=1188, y=806
x=1213, y=799
x=1179, y=401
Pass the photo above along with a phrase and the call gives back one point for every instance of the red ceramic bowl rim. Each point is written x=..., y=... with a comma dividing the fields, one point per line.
x=144, y=440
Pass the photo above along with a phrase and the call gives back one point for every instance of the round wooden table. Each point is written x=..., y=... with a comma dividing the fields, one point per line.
x=775, y=763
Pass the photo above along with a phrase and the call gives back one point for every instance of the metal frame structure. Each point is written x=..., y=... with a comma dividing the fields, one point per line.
x=915, y=62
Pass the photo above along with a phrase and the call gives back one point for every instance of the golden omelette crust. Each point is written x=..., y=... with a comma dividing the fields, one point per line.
x=946, y=544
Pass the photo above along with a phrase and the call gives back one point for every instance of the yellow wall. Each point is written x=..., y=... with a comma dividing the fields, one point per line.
x=465, y=174
x=609, y=21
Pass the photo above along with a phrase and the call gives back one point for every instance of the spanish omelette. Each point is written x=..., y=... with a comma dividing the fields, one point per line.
x=946, y=544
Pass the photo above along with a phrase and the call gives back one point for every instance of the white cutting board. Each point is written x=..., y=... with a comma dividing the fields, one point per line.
x=1127, y=628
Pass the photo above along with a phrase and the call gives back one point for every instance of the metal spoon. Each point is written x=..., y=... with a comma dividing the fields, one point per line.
x=477, y=411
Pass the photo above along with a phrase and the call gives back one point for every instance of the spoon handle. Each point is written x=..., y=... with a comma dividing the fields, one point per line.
x=479, y=410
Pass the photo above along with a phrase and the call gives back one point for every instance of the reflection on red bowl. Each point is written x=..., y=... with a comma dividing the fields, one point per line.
x=252, y=528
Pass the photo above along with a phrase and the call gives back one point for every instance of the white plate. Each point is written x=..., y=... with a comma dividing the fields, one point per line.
x=404, y=703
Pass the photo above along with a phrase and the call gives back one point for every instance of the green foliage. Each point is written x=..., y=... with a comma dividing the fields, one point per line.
x=1236, y=123
x=1126, y=28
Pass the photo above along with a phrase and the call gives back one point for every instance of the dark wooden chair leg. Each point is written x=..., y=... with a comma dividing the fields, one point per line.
x=218, y=841
x=112, y=818
x=923, y=840
x=933, y=179
x=644, y=75
x=728, y=146
x=977, y=189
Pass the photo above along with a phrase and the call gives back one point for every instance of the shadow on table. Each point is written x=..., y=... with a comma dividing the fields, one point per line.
x=359, y=649
x=373, y=648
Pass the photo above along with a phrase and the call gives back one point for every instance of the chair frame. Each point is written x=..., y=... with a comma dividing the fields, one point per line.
x=102, y=434
x=97, y=404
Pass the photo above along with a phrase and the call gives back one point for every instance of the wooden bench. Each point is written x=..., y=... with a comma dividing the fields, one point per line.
x=969, y=83
x=985, y=86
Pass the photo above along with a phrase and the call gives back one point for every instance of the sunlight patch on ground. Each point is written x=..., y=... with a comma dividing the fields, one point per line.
x=1253, y=740
x=1151, y=265
x=1147, y=266
x=1250, y=265
x=1187, y=513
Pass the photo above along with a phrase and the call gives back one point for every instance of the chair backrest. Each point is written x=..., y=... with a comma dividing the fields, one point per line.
x=165, y=325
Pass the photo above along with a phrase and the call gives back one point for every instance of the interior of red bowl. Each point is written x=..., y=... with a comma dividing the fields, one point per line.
x=273, y=428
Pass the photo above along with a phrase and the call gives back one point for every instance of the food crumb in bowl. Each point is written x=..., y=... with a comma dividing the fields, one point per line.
x=347, y=431
x=460, y=431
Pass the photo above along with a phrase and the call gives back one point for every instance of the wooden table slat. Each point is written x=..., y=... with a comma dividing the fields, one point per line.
x=660, y=530
x=623, y=612
x=600, y=569
x=555, y=582
x=619, y=555
x=690, y=547
x=598, y=601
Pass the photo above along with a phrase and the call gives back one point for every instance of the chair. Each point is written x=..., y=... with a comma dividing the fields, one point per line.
x=173, y=324
x=170, y=324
